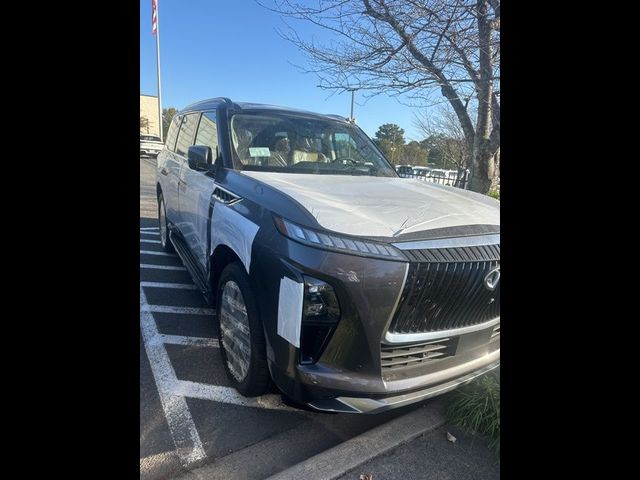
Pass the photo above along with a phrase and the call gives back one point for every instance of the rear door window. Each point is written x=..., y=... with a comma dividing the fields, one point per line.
x=208, y=132
x=170, y=141
x=187, y=131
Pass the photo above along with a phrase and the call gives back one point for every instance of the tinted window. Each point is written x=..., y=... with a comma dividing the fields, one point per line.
x=170, y=141
x=208, y=131
x=185, y=137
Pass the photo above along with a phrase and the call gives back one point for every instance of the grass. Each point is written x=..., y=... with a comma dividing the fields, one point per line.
x=476, y=406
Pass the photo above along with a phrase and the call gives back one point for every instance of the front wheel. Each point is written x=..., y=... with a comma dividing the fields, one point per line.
x=165, y=243
x=242, y=343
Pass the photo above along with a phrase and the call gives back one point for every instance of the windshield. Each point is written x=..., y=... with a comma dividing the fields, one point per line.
x=277, y=142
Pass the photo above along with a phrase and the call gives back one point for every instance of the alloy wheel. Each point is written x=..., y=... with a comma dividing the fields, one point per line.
x=234, y=331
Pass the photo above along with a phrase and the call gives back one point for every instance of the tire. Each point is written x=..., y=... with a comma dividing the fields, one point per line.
x=238, y=328
x=166, y=244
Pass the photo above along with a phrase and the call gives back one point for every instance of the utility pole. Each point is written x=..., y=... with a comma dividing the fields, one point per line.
x=156, y=32
x=353, y=91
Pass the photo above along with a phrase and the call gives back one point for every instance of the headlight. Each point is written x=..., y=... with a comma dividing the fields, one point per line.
x=320, y=317
x=340, y=243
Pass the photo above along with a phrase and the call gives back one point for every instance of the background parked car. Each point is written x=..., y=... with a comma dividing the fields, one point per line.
x=443, y=177
x=421, y=171
x=404, y=170
x=150, y=145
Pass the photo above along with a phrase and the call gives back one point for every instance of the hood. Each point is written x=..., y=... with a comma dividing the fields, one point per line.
x=382, y=206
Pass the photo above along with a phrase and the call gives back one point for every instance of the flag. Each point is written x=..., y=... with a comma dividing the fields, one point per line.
x=154, y=16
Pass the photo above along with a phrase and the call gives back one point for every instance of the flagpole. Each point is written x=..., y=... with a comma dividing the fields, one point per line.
x=157, y=25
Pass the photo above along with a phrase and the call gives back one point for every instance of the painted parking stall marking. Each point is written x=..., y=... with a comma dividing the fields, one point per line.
x=183, y=429
x=173, y=391
x=190, y=341
x=162, y=267
x=161, y=254
x=182, y=310
x=184, y=286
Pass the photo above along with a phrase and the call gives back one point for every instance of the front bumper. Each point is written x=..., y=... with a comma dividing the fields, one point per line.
x=349, y=376
x=377, y=405
x=150, y=151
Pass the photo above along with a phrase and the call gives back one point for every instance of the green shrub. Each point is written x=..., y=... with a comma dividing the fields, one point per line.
x=495, y=194
x=476, y=406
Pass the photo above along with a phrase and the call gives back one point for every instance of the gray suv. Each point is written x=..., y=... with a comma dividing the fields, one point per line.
x=352, y=289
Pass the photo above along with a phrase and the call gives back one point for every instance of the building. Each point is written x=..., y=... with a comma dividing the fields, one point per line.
x=149, y=110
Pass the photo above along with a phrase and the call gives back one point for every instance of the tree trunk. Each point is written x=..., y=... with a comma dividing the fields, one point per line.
x=495, y=163
x=481, y=173
x=482, y=154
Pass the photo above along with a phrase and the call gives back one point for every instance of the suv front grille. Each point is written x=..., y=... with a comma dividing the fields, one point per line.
x=445, y=289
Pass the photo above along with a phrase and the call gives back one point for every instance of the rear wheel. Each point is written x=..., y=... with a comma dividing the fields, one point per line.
x=242, y=343
x=166, y=244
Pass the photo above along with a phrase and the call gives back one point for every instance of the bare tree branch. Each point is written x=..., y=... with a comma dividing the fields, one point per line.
x=425, y=52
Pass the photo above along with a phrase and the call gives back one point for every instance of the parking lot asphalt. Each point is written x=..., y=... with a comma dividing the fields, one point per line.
x=189, y=415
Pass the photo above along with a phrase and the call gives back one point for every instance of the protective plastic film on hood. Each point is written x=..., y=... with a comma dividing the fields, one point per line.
x=382, y=206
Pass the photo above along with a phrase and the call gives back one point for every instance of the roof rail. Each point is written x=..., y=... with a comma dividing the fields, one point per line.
x=209, y=101
x=339, y=117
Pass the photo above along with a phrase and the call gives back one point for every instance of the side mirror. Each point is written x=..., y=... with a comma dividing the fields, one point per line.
x=199, y=157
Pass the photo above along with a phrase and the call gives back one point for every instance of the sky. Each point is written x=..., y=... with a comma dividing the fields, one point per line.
x=230, y=48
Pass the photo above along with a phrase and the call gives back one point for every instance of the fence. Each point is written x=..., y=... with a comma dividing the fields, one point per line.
x=451, y=178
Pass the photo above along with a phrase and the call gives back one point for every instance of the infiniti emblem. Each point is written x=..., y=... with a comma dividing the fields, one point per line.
x=492, y=278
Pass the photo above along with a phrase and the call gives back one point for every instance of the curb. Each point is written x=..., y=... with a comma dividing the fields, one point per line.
x=348, y=455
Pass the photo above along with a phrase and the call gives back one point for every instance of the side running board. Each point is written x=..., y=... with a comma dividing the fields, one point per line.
x=192, y=266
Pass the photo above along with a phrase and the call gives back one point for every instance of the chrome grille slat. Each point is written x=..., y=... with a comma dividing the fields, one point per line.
x=459, y=254
x=445, y=286
x=472, y=298
x=445, y=290
x=457, y=293
x=492, y=309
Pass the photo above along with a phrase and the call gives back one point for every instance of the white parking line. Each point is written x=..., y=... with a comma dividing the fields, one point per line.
x=217, y=393
x=161, y=254
x=155, y=234
x=184, y=286
x=183, y=430
x=161, y=267
x=149, y=228
x=190, y=341
x=185, y=310
x=144, y=240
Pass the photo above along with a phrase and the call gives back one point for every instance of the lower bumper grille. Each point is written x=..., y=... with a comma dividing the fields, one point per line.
x=394, y=358
x=447, y=289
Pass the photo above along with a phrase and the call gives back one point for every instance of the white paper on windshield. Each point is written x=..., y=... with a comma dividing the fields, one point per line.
x=259, y=152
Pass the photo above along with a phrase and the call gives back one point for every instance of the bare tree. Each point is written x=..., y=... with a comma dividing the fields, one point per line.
x=422, y=48
x=447, y=135
x=144, y=124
